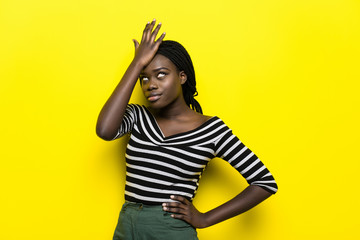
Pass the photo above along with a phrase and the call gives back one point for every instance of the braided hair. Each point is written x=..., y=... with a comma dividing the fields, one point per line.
x=178, y=55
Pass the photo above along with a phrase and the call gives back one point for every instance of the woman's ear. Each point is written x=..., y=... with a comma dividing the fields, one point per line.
x=183, y=77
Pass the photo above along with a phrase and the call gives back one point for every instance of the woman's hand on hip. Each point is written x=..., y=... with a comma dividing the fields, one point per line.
x=183, y=209
x=146, y=50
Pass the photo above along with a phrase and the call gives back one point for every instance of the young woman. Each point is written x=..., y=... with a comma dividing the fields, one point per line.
x=171, y=143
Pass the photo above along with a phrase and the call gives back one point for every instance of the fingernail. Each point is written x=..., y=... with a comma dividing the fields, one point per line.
x=164, y=208
x=164, y=204
x=172, y=215
x=172, y=196
x=160, y=23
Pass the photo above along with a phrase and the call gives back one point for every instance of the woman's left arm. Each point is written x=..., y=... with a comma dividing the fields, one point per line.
x=261, y=184
x=185, y=210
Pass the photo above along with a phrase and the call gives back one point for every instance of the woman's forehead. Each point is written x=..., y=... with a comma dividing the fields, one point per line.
x=159, y=62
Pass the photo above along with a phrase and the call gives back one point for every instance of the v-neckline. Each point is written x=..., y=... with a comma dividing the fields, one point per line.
x=176, y=134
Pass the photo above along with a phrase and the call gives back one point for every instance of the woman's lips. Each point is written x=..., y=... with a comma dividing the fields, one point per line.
x=153, y=98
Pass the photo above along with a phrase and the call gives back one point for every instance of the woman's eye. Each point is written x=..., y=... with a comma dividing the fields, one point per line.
x=144, y=78
x=161, y=75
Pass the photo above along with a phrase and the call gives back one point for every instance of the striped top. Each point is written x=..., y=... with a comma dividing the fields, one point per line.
x=159, y=166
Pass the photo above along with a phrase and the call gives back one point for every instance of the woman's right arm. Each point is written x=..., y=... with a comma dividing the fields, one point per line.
x=112, y=113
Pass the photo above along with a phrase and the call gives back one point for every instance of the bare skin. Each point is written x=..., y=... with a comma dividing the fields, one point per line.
x=168, y=116
x=161, y=85
x=185, y=210
x=113, y=111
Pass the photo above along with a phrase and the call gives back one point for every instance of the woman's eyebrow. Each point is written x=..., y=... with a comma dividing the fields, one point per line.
x=160, y=68
x=155, y=70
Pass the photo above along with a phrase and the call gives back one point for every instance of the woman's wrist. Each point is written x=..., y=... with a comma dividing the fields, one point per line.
x=137, y=65
x=207, y=222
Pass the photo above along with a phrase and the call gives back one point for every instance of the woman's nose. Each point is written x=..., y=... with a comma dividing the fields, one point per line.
x=152, y=84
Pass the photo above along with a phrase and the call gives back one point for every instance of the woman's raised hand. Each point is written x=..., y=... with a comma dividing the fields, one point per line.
x=146, y=50
x=111, y=115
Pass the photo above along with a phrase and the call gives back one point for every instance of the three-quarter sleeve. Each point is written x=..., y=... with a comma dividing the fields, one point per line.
x=232, y=150
x=128, y=121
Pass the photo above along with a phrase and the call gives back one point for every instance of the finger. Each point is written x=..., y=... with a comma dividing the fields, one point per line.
x=149, y=29
x=180, y=199
x=160, y=39
x=145, y=31
x=152, y=24
x=174, y=210
x=136, y=43
x=178, y=216
x=155, y=32
x=174, y=205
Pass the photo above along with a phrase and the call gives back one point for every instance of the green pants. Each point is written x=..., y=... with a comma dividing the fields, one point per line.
x=143, y=222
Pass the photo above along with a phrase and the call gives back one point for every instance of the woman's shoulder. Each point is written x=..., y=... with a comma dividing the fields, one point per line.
x=137, y=107
x=207, y=118
x=200, y=118
x=214, y=121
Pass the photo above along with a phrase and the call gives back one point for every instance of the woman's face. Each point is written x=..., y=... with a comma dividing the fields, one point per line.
x=161, y=82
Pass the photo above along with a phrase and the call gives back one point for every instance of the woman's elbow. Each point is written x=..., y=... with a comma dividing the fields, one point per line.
x=104, y=133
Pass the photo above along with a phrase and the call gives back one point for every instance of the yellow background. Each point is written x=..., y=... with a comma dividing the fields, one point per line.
x=284, y=75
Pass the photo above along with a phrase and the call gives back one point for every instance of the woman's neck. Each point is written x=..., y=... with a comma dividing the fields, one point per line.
x=172, y=111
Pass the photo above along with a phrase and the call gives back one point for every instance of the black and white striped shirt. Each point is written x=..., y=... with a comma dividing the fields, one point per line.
x=159, y=166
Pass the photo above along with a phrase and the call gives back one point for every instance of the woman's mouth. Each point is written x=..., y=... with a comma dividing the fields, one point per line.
x=153, y=98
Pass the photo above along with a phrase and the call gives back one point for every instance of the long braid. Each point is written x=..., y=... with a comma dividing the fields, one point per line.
x=177, y=54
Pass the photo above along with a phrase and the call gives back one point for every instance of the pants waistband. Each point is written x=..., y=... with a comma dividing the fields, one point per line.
x=142, y=206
